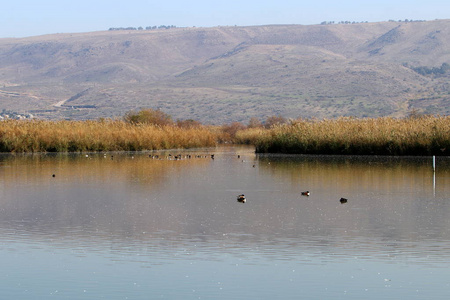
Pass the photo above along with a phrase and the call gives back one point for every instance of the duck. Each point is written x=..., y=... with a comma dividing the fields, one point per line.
x=241, y=198
x=306, y=193
x=343, y=200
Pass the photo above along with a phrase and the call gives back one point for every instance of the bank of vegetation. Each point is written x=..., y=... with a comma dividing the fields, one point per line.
x=102, y=135
x=153, y=129
x=415, y=135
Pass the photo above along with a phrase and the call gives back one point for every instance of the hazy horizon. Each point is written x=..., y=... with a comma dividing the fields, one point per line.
x=24, y=18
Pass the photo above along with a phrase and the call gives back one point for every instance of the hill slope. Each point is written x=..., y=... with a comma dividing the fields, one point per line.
x=225, y=74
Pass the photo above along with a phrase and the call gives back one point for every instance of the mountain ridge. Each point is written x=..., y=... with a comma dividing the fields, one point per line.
x=225, y=74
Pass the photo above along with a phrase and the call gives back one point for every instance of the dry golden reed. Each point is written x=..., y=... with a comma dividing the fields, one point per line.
x=424, y=135
x=106, y=135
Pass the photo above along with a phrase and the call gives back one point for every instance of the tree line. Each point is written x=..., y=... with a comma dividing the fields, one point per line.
x=357, y=22
x=437, y=71
x=158, y=117
x=142, y=28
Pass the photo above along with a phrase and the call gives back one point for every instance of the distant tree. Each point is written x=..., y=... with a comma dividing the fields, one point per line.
x=274, y=120
x=415, y=114
x=188, y=123
x=148, y=116
x=232, y=128
x=443, y=69
x=254, y=123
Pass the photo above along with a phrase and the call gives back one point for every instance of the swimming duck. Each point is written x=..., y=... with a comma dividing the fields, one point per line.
x=343, y=200
x=241, y=198
x=305, y=193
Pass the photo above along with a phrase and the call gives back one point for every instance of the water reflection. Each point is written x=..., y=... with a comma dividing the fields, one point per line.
x=135, y=196
x=133, y=208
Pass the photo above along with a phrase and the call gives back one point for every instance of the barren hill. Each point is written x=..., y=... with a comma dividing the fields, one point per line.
x=225, y=74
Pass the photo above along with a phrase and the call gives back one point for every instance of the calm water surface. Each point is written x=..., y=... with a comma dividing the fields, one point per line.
x=128, y=226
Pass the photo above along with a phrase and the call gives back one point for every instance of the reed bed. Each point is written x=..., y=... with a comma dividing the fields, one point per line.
x=106, y=135
x=424, y=135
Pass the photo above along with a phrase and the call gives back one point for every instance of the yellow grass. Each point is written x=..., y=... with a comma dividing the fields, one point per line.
x=425, y=135
x=107, y=135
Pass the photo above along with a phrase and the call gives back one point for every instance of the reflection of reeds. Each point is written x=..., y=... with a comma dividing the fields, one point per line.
x=139, y=169
x=427, y=135
x=107, y=135
x=97, y=194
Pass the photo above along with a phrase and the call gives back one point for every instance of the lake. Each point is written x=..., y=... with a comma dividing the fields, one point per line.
x=150, y=225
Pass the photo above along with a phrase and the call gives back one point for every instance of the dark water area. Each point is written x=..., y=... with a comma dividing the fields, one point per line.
x=148, y=226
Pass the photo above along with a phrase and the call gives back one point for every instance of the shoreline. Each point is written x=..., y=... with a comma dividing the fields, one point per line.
x=418, y=136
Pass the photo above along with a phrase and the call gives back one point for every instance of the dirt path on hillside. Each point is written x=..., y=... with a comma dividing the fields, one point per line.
x=60, y=103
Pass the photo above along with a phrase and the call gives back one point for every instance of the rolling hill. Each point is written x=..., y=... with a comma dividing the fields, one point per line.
x=223, y=74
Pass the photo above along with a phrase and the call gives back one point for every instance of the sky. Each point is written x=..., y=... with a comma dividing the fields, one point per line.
x=22, y=18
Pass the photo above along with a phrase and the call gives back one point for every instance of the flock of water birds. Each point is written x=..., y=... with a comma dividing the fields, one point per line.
x=307, y=193
x=240, y=198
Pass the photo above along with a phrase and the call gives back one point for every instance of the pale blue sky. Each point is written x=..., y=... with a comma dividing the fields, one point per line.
x=20, y=18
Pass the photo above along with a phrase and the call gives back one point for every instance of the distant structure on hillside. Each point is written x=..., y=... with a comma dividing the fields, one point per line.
x=8, y=115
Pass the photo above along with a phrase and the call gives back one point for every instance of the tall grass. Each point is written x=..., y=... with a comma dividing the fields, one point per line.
x=424, y=135
x=106, y=135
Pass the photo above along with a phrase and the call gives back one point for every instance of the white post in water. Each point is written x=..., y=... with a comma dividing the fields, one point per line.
x=434, y=176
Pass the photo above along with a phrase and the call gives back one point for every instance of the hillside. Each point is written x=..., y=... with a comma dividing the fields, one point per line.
x=225, y=74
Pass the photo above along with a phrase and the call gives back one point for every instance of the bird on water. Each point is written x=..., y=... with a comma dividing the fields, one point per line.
x=241, y=198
